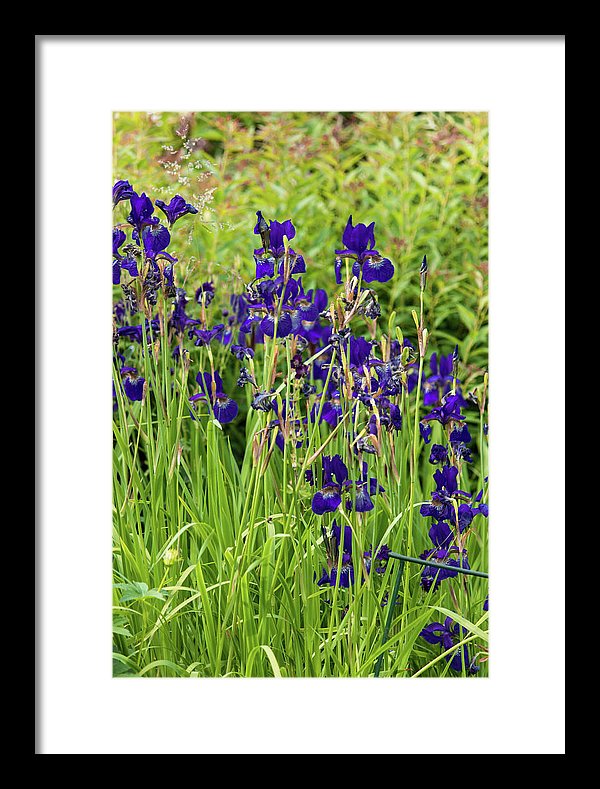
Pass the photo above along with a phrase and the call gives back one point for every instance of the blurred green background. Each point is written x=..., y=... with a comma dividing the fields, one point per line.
x=422, y=177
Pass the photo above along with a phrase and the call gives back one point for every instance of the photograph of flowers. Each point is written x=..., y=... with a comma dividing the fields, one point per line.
x=300, y=394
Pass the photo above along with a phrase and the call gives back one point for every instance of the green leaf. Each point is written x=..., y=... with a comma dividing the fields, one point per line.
x=138, y=590
x=462, y=621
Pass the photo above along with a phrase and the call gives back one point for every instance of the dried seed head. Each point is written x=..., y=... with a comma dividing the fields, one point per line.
x=245, y=378
x=262, y=401
x=132, y=250
x=365, y=445
x=372, y=309
x=131, y=301
x=473, y=398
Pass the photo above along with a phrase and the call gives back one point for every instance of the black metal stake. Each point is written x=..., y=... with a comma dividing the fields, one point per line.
x=439, y=565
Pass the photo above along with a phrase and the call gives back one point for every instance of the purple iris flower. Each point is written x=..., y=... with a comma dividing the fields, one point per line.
x=277, y=230
x=224, y=407
x=118, y=240
x=120, y=261
x=306, y=312
x=136, y=332
x=122, y=190
x=390, y=417
x=333, y=543
x=483, y=508
x=459, y=438
x=389, y=376
x=442, y=533
x=264, y=312
x=175, y=209
x=272, y=252
x=439, y=454
x=444, y=496
x=133, y=384
x=155, y=238
x=447, y=636
x=230, y=330
x=346, y=575
x=441, y=373
x=360, y=350
x=440, y=380
x=442, y=507
x=265, y=267
x=460, y=435
x=284, y=325
x=239, y=306
x=449, y=411
x=206, y=293
x=169, y=280
x=300, y=369
x=425, y=431
x=319, y=337
x=242, y=352
x=336, y=532
x=332, y=409
x=446, y=557
x=447, y=485
x=364, y=502
x=381, y=558
x=359, y=243
x=141, y=212
x=205, y=336
x=365, y=488
x=129, y=264
x=395, y=417
x=275, y=304
x=250, y=320
x=329, y=498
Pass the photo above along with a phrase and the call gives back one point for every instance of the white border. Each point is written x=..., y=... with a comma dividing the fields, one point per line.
x=520, y=708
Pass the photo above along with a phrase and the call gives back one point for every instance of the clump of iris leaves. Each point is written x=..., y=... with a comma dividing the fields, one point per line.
x=360, y=446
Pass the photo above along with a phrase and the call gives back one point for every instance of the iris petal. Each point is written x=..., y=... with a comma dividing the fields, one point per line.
x=326, y=500
x=375, y=270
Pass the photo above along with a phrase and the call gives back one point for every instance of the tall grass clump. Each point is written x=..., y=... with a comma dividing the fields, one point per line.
x=300, y=475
